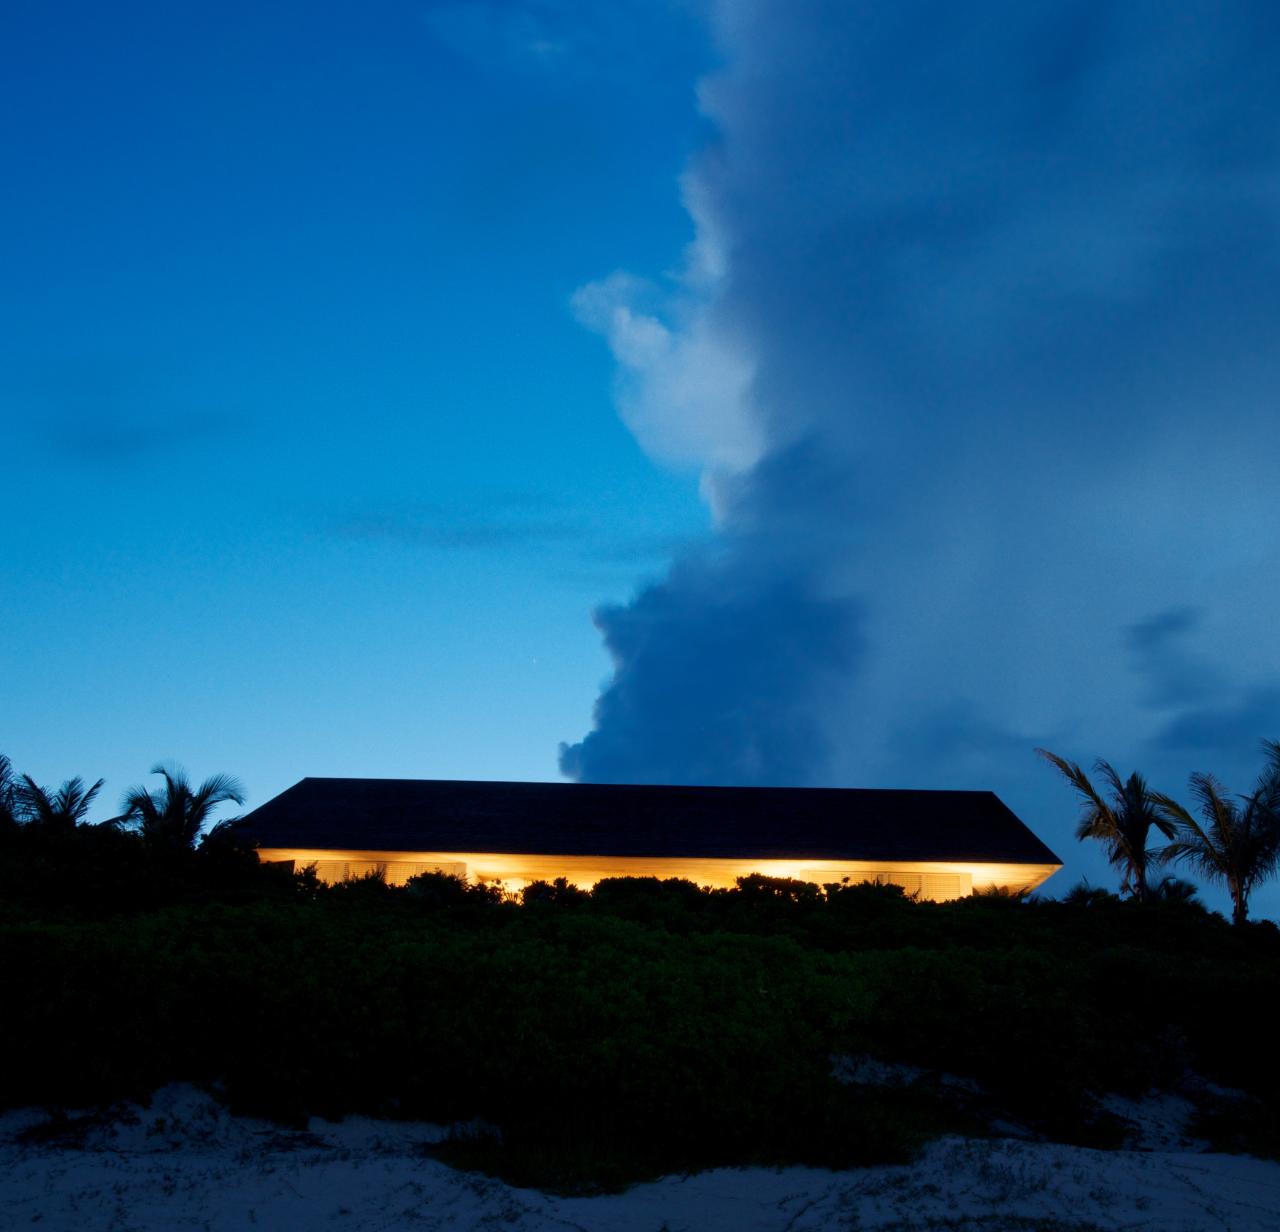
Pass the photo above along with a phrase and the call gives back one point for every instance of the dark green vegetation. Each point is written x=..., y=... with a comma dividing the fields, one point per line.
x=595, y=1038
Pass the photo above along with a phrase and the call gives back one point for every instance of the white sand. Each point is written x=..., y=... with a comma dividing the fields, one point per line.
x=184, y=1163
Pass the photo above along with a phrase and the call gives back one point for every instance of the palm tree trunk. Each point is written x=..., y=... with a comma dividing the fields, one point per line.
x=1239, y=901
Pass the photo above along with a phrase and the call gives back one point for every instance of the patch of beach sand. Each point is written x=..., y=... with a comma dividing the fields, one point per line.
x=184, y=1163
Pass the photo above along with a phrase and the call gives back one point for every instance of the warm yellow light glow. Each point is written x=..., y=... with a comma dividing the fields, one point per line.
x=932, y=880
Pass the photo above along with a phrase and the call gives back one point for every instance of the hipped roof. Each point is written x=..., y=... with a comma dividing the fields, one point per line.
x=765, y=823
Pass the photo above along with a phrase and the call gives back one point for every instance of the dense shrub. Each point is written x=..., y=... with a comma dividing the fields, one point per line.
x=644, y=1026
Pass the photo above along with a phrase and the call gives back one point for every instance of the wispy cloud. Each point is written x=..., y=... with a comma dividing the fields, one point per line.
x=553, y=39
x=490, y=32
x=516, y=523
x=639, y=549
x=118, y=438
x=107, y=413
x=459, y=533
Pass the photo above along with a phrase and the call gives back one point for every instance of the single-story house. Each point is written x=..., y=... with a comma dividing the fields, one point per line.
x=935, y=844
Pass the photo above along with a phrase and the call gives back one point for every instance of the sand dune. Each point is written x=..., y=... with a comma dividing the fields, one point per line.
x=183, y=1163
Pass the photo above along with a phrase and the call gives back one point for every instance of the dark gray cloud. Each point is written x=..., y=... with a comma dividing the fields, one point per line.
x=991, y=298
x=1156, y=632
x=1231, y=727
x=723, y=668
x=1205, y=710
x=960, y=733
x=718, y=677
x=1175, y=672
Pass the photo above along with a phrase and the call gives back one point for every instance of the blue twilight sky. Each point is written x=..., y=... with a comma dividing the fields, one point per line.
x=897, y=385
x=310, y=467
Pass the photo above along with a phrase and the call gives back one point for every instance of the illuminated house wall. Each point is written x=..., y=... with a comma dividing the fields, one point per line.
x=936, y=881
x=935, y=844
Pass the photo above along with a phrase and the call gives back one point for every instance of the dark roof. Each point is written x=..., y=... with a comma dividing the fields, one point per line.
x=813, y=823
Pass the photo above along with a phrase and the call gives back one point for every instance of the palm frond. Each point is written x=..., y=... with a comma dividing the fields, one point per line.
x=1171, y=810
x=1096, y=820
x=65, y=807
x=173, y=815
x=36, y=800
x=1174, y=890
x=1074, y=775
x=11, y=805
x=74, y=798
x=1110, y=776
x=1271, y=750
x=217, y=789
x=1267, y=790
x=139, y=806
x=1123, y=823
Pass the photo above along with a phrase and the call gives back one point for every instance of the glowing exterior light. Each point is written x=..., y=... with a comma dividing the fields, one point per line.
x=935, y=881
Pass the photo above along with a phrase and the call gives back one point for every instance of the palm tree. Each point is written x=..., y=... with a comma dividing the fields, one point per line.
x=1239, y=844
x=60, y=810
x=1174, y=889
x=1085, y=895
x=173, y=816
x=10, y=796
x=1123, y=823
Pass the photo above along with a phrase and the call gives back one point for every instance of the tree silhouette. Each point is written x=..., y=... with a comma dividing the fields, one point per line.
x=1173, y=889
x=1239, y=843
x=11, y=812
x=60, y=810
x=172, y=816
x=1123, y=823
